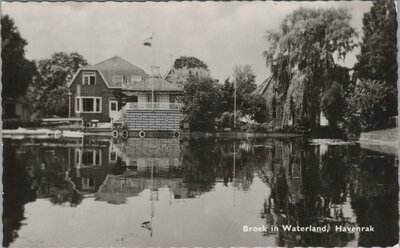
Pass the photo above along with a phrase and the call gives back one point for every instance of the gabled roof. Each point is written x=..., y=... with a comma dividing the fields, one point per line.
x=114, y=66
x=117, y=66
x=260, y=90
x=160, y=85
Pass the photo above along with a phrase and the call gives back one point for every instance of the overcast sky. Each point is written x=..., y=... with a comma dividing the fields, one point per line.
x=221, y=34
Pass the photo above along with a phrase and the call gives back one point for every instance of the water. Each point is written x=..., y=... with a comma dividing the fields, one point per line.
x=95, y=192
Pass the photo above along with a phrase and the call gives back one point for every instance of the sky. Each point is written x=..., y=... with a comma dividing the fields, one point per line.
x=222, y=34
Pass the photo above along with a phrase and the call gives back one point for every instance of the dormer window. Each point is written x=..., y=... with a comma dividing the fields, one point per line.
x=136, y=78
x=89, y=78
x=118, y=79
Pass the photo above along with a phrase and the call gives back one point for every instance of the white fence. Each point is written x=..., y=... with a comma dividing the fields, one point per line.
x=152, y=106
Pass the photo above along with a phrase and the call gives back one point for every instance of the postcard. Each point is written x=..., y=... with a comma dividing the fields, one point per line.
x=199, y=124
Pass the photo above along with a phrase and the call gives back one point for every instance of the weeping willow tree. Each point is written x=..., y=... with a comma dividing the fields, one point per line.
x=309, y=42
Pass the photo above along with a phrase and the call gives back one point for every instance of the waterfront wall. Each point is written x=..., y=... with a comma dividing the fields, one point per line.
x=146, y=120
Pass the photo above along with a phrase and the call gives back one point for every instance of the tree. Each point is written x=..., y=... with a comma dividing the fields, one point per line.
x=227, y=91
x=185, y=67
x=333, y=104
x=189, y=62
x=368, y=105
x=249, y=104
x=308, y=41
x=254, y=106
x=245, y=79
x=17, y=71
x=377, y=60
x=49, y=90
x=201, y=103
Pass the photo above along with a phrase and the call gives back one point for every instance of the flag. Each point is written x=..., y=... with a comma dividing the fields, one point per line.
x=147, y=225
x=148, y=41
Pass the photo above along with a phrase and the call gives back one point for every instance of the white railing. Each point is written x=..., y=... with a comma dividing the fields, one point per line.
x=152, y=106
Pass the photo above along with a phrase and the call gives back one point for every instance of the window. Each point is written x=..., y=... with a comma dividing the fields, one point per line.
x=118, y=79
x=136, y=78
x=88, y=157
x=113, y=156
x=89, y=78
x=156, y=97
x=87, y=183
x=98, y=104
x=113, y=106
x=88, y=104
x=91, y=157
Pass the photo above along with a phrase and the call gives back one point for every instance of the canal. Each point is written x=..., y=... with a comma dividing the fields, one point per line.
x=98, y=192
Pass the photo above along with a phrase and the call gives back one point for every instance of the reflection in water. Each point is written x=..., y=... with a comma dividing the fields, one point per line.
x=289, y=182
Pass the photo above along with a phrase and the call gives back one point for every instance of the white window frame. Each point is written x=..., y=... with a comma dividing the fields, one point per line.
x=111, y=101
x=118, y=79
x=136, y=78
x=86, y=78
x=79, y=157
x=112, y=150
x=79, y=104
x=86, y=183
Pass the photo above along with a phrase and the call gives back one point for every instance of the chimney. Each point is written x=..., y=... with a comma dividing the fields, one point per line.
x=76, y=63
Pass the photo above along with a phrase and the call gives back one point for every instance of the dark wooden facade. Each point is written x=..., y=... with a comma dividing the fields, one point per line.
x=100, y=89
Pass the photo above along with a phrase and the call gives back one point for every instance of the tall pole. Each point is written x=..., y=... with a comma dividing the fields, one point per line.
x=234, y=104
x=152, y=72
x=234, y=173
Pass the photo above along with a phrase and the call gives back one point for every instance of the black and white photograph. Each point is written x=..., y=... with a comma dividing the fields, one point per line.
x=199, y=124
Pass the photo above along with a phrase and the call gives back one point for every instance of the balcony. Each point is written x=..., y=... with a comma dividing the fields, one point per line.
x=152, y=106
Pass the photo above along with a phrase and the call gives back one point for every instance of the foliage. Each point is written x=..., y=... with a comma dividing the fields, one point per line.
x=227, y=91
x=368, y=105
x=243, y=76
x=17, y=71
x=49, y=90
x=201, y=103
x=248, y=103
x=309, y=40
x=333, y=104
x=227, y=120
x=185, y=67
x=255, y=127
x=377, y=60
x=189, y=62
x=254, y=106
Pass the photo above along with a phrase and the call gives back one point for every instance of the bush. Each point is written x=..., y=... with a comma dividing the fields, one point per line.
x=227, y=120
x=367, y=107
x=255, y=127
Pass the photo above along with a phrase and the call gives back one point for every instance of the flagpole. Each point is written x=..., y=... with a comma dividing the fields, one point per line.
x=152, y=72
x=234, y=105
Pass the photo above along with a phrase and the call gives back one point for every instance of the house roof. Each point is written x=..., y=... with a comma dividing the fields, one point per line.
x=116, y=66
x=160, y=85
x=260, y=90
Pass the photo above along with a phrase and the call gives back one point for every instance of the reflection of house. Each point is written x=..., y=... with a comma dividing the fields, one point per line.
x=148, y=163
x=93, y=88
x=116, y=188
x=91, y=162
x=142, y=154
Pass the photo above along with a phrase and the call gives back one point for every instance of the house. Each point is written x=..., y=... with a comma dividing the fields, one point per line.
x=17, y=107
x=118, y=91
x=285, y=110
x=17, y=111
x=93, y=88
x=151, y=105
